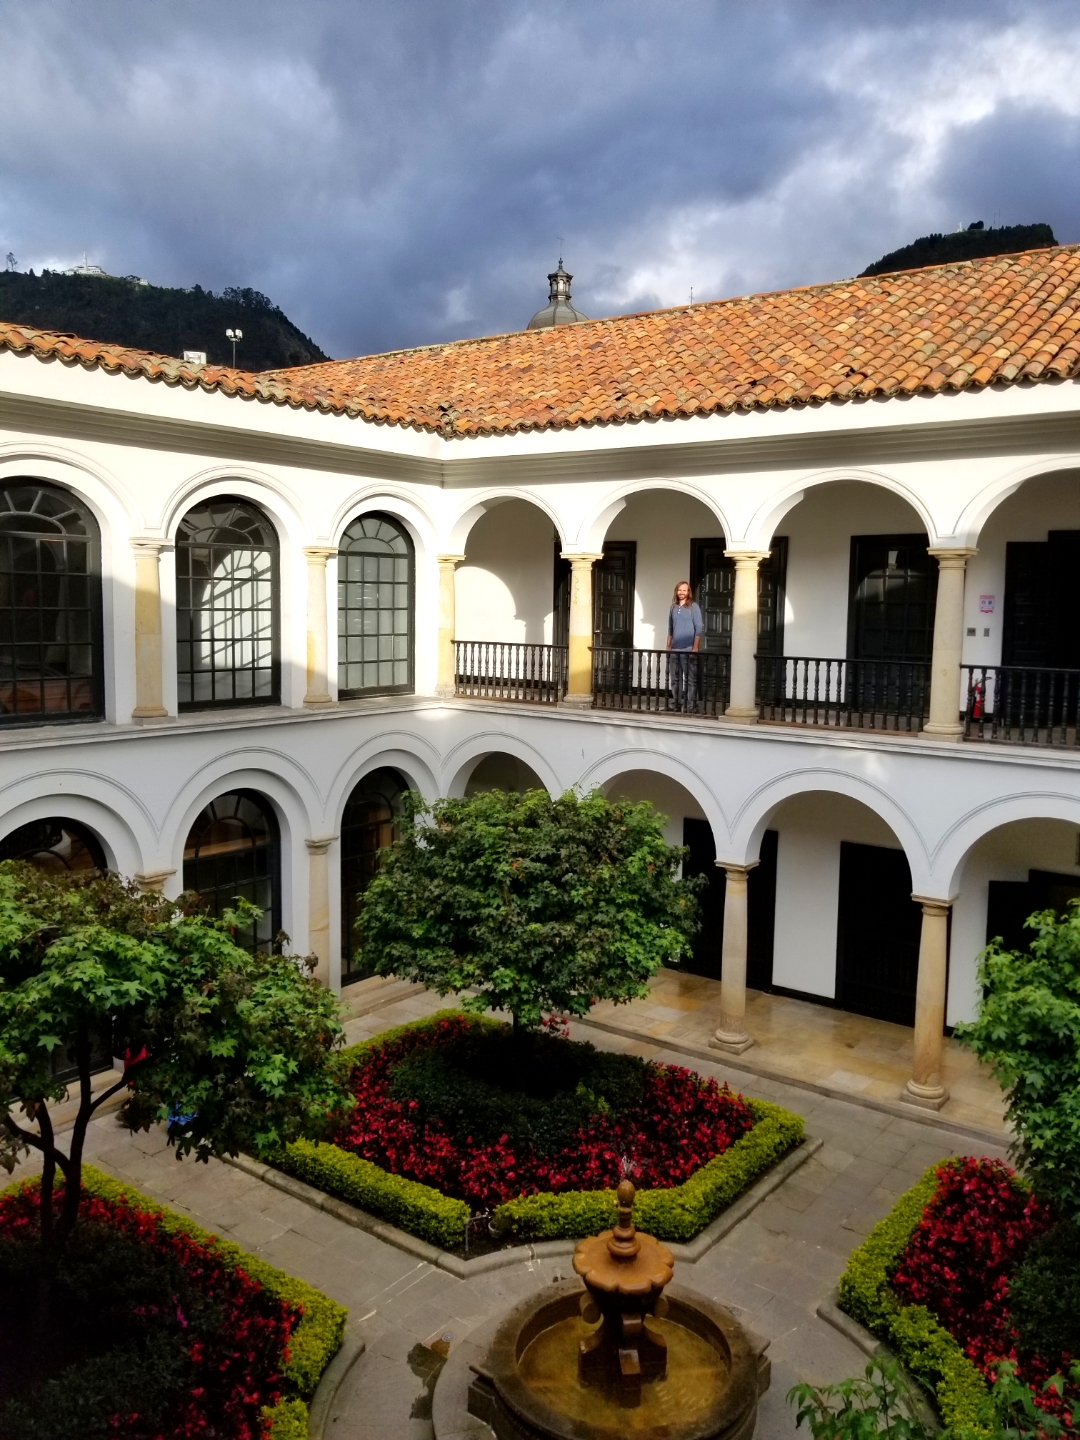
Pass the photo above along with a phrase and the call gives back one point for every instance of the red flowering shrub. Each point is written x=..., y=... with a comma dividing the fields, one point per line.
x=665, y=1119
x=971, y=1240
x=153, y=1335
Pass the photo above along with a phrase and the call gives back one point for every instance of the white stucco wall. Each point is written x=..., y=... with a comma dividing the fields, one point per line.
x=505, y=585
x=673, y=800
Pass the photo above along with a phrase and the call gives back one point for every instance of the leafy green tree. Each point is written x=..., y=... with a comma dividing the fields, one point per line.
x=539, y=906
x=1028, y=1031
x=230, y=1049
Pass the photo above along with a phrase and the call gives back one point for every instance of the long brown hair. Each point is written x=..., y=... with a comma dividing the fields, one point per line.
x=675, y=592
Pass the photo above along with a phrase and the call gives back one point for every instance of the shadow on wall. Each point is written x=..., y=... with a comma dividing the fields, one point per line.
x=500, y=771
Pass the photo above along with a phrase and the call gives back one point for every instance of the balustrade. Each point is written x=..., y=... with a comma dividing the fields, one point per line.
x=1020, y=704
x=499, y=670
x=661, y=681
x=857, y=694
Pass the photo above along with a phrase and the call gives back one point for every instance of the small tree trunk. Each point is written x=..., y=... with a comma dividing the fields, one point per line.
x=69, y=1210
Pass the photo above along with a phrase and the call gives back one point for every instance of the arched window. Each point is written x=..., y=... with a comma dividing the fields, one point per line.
x=233, y=850
x=367, y=826
x=55, y=845
x=375, y=608
x=226, y=606
x=50, y=606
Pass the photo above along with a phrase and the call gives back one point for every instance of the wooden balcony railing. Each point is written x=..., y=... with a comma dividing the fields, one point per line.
x=856, y=694
x=495, y=670
x=660, y=681
x=1021, y=705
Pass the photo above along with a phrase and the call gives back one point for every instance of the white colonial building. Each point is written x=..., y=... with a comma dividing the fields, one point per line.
x=240, y=614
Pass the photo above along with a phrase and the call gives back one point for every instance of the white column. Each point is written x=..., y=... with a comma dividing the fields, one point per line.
x=731, y=1034
x=447, y=624
x=318, y=691
x=579, y=637
x=319, y=905
x=925, y=1087
x=149, y=655
x=742, y=704
x=948, y=645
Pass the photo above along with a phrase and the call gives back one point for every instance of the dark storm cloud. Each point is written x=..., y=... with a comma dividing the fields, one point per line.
x=397, y=173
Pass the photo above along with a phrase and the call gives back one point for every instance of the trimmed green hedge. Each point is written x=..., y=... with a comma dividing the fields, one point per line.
x=924, y=1346
x=676, y=1214
x=314, y=1342
x=359, y=1052
x=420, y=1209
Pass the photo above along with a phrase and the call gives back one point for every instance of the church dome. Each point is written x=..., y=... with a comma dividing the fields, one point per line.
x=558, y=310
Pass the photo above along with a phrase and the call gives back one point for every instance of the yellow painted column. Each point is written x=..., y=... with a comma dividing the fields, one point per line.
x=448, y=564
x=925, y=1087
x=148, y=646
x=948, y=645
x=319, y=905
x=731, y=1033
x=318, y=652
x=580, y=630
x=742, y=703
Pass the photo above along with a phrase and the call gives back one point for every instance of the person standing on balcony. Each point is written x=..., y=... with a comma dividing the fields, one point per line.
x=683, y=641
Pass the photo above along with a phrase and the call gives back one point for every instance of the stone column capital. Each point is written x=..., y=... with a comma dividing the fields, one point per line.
x=321, y=846
x=319, y=554
x=449, y=560
x=576, y=558
x=737, y=871
x=149, y=546
x=952, y=557
x=932, y=906
x=747, y=557
x=149, y=881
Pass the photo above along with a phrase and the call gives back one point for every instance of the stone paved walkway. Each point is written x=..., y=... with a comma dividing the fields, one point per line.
x=773, y=1269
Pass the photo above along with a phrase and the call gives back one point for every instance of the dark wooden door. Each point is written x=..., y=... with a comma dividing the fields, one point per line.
x=560, y=628
x=613, y=594
x=1012, y=901
x=877, y=934
x=761, y=905
x=1025, y=636
x=893, y=586
x=712, y=576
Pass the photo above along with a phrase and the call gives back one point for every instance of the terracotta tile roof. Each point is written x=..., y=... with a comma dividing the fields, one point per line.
x=952, y=327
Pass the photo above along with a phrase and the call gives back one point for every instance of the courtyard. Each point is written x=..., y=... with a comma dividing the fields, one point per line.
x=773, y=1269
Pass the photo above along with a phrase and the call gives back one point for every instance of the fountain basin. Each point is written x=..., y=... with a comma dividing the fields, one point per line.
x=528, y=1386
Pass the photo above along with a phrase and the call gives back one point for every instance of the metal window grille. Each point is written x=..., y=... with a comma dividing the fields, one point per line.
x=375, y=608
x=50, y=607
x=233, y=851
x=368, y=825
x=226, y=607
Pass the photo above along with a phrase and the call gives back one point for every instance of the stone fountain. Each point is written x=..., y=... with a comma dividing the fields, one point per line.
x=620, y=1353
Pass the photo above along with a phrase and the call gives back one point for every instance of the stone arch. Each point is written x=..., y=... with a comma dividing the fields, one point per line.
x=597, y=522
x=996, y=491
x=772, y=510
x=463, y=520
x=418, y=770
x=125, y=839
x=504, y=585
x=282, y=506
x=462, y=760
x=952, y=851
x=761, y=805
x=601, y=775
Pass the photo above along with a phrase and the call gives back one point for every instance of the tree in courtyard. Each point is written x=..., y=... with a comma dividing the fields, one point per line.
x=1028, y=1031
x=538, y=906
x=230, y=1049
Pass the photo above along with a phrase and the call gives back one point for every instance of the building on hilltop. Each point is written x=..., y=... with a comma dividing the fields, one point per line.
x=241, y=613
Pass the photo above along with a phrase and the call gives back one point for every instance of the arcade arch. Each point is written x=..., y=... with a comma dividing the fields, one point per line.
x=369, y=824
x=233, y=851
x=505, y=586
x=500, y=771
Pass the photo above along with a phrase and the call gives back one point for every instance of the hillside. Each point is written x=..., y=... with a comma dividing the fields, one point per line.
x=152, y=317
x=974, y=243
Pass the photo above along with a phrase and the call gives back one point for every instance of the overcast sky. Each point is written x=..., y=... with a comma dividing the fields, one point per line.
x=396, y=172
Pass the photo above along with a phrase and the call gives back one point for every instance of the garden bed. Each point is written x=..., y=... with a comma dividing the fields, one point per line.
x=158, y=1330
x=942, y=1280
x=464, y=1129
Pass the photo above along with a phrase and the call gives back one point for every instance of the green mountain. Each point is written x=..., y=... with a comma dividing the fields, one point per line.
x=152, y=317
x=971, y=244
